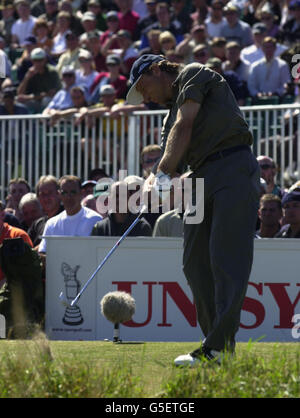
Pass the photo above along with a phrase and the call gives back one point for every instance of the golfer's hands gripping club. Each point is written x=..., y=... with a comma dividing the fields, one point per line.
x=160, y=183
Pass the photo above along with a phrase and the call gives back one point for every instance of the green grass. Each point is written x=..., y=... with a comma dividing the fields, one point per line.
x=80, y=369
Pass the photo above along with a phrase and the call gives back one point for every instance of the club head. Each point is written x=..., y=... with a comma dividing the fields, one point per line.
x=63, y=299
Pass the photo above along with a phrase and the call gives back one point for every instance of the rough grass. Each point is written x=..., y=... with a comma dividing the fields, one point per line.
x=82, y=369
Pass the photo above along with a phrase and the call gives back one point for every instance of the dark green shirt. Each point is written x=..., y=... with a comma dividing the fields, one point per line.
x=219, y=123
x=45, y=82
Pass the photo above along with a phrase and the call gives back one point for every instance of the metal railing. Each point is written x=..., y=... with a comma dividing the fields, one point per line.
x=30, y=146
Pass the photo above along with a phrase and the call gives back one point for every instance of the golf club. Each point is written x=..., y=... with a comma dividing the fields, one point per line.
x=62, y=297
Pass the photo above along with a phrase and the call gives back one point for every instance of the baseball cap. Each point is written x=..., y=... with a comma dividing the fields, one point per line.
x=290, y=197
x=68, y=69
x=112, y=15
x=113, y=59
x=85, y=54
x=38, y=54
x=88, y=16
x=107, y=89
x=102, y=188
x=139, y=67
x=9, y=91
x=88, y=182
x=30, y=40
x=259, y=28
x=231, y=7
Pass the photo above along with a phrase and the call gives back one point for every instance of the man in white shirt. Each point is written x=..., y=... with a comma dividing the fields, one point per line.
x=254, y=52
x=75, y=220
x=270, y=75
x=23, y=27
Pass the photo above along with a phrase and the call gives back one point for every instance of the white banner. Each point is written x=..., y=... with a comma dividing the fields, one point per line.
x=151, y=270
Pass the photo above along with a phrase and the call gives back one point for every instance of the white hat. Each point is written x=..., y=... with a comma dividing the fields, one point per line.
x=85, y=54
x=38, y=54
x=88, y=16
x=107, y=89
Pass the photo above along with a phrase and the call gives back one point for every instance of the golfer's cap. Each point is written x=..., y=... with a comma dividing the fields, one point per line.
x=259, y=28
x=107, y=89
x=113, y=59
x=88, y=183
x=30, y=40
x=38, y=54
x=88, y=16
x=102, y=188
x=68, y=69
x=112, y=15
x=84, y=53
x=137, y=70
x=290, y=197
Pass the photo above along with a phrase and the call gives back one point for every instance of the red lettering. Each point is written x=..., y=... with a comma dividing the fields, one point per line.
x=255, y=307
x=286, y=307
x=182, y=301
x=126, y=287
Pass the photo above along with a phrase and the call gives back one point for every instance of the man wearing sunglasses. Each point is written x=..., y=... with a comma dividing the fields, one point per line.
x=75, y=220
x=268, y=173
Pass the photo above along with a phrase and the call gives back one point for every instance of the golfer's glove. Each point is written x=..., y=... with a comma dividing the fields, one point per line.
x=162, y=185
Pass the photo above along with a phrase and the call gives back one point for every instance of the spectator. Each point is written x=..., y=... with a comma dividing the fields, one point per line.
x=75, y=26
x=150, y=156
x=268, y=173
x=93, y=45
x=254, y=52
x=89, y=22
x=270, y=214
x=127, y=52
x=95, y=6
x=181, y=15
x=7, y=232
x=62, y=99
x=75, y=220
x=291, y=212
x=200, y=12
x=235, y=29
x=201, y=54
x=49, y=198
x=42, y=34
x=269, y=76
x=30, y=209
x=40, y=83
x=215, y=21
x=191, y=41
x=217, y=48
x=267, y=16
x=87, y=188
x=78, y=99
x=167, y=41
x=71, y=56
x=23, y=63
x=62, y=28
x=164, y=22
x=8, y=105
x=86, y=73
x=290, y=32
x=148, y=20
x=234, y=62
x=7, y=20
x=128, y=18
x=108, y=39
x=23, y=27
x=236, y=84
x=153, y=43
x=50, y=15
x=119, y=218
x=17, y=188
x=113, y=77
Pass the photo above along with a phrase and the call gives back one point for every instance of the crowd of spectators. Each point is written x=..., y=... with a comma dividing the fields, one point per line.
x=73, y=58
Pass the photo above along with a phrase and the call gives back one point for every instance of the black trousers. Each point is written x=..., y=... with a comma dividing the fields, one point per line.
x=218, y=252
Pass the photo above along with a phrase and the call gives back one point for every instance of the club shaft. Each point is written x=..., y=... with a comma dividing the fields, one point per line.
x=109, y=254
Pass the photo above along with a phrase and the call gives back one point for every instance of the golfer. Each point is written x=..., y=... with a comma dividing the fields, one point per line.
x=206, y=130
